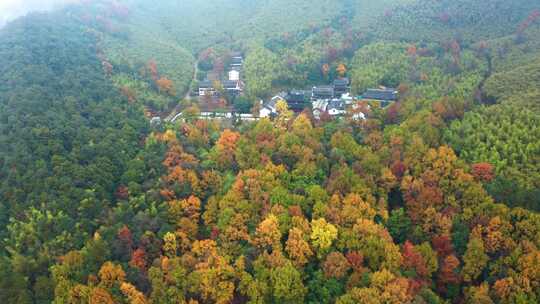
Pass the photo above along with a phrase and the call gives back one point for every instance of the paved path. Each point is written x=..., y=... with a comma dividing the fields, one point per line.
x=176, y=111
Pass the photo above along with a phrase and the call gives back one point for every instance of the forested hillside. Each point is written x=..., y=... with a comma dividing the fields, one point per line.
x=468, y=20
x=67, y=136
x=431, y=197
x=505, y=136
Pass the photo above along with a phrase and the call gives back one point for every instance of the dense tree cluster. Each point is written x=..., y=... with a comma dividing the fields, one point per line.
x=67, y=138
x=291, y=211
x=432, y=199
x=506, y=137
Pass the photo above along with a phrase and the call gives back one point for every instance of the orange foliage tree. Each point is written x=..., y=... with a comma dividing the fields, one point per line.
x=165, y=85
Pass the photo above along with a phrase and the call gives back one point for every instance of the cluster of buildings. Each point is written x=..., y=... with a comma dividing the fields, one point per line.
x=335, y=100
x=233, y=85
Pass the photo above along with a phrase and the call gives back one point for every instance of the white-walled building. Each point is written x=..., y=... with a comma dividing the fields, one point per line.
x=347, y=98
x=234, y=75
x=319, y=107
x=336, y=107
x=268, y=109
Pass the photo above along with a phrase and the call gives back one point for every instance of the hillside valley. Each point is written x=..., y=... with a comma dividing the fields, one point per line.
x=256, y=151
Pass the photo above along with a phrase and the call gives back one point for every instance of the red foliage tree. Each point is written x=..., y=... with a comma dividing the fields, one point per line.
x=138, y=259
x=456, y=51
x=355, y=259
x=295, y=210
x=534, y=15
x=483, y=172
x=392, y=113
x=442, y=244
x=411, y=50
x=415, y=286
x=412, y=53
x=125, y=244
x=125, y=236
x=449, y=272
x=122, y=192
x=152, y=67
x=398, y=169
x=412, y=259
x=214, y=234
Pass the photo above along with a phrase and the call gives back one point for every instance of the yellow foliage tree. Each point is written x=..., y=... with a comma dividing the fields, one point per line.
x=109, y=274
x=134, y=296
x=284, y=114
x=322, y=234
x=100, y=296
x=268, y=234
x=170, y=246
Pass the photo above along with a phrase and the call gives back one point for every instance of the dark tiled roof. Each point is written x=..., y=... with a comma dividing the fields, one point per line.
x=336, y=104
x=323, y=91
x=205, y=84
x=297, y=107
x=295, y=97
x=342, y=82
x=297, y=92
x=236, y=60
x=230, y=84
x=377, y=94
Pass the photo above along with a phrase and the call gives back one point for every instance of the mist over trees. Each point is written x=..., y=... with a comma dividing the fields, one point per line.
x=12, y=9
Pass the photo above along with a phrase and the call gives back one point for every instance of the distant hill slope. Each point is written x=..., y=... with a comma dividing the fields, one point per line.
x=443, y=20
x=516, y=67
x=199, y=24
x=518, y=85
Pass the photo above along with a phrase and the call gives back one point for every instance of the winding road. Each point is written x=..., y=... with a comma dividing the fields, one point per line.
x=176, y=111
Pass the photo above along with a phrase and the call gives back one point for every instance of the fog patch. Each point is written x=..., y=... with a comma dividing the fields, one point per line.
x=12, y=9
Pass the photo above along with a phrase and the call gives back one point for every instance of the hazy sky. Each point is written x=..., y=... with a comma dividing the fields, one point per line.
x=11, y=9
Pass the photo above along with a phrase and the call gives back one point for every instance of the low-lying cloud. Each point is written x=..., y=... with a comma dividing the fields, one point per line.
x=11, y=9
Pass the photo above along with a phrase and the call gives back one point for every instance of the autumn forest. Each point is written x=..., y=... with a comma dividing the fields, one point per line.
x=138, y=164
